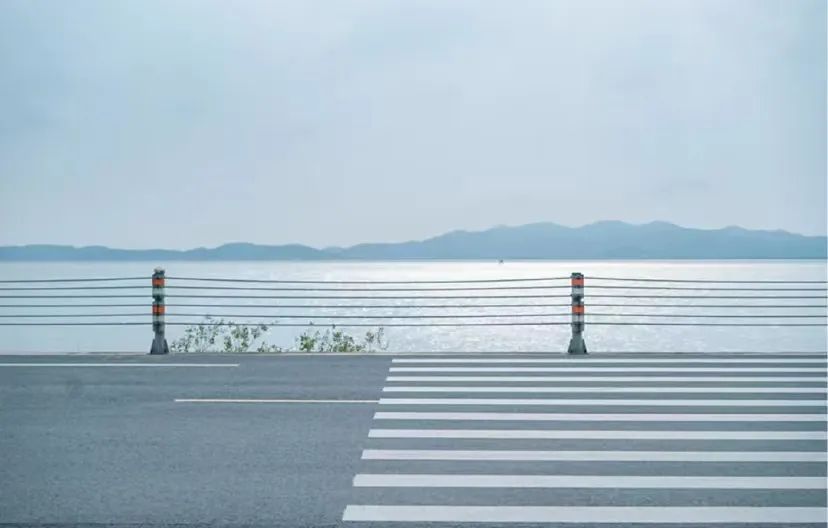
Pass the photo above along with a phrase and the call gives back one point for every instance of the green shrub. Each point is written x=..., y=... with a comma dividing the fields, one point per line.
x=238, y=338
x=333, y=340
x=233, y=337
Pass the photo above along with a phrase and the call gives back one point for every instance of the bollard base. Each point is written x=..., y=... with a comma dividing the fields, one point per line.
x=577, y=345
x=159, y=346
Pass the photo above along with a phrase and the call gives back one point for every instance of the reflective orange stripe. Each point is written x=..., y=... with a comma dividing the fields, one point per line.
x=579, y=281
x=577, y=309
x=158, y=283
x=158, y=309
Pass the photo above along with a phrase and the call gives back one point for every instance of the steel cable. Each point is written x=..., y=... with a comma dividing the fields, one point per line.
x=343, y=297
x=308, y=316
x=97, y=323
x=348, y=297
x=416, y=306
x=28, y=316
x=711, y=316
x=95, y=279
x=355, y=297
x=761, y=281
x=625, y=296
x=258, y=288
x=619, y=305
x=344, y=325
x=460, y=289
x=122, y=296
x=293, y=316
x=294, y=325
x=422, y=316
x=700, y=288
x=458, y=281
x=639, y=323
x=81, y=288
x=287, y=281
x=465, y=288
x=133, y=305
x=53, y=288
x=370, y=306
x=265, y=306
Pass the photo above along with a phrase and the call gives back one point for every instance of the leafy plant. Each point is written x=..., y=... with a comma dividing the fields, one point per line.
x=234, y=337
x=333, y=340
x=239, y=338
x=199, y=338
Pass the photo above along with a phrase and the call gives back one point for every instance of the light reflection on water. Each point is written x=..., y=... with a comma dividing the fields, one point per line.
x=471, y=339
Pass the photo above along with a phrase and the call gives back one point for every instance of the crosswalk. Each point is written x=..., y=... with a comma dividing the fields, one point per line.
x=655, y=440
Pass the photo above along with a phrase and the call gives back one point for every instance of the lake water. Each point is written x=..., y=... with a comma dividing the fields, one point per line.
x=643, y=338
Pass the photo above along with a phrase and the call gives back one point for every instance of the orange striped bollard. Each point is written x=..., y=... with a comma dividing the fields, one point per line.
x=576, y=344
x=159, y=342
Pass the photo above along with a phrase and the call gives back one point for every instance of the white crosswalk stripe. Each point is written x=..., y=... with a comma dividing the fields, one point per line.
x=598, y=377
x=669, y=402
x=747, y=443
x=611, y=361
x=562, y=370
x=570, y=390
x=596, y=417
x=596, y=514
x=588, y=456
x=505, y=434
x=584, y=481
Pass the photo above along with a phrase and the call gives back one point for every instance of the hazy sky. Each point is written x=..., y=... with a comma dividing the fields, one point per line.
x=187, y=123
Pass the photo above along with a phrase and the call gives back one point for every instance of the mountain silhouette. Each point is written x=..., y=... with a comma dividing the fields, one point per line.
x=600, y=240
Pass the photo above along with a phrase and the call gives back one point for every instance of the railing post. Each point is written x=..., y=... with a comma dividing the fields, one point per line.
x=159, y=342
x=576, y=344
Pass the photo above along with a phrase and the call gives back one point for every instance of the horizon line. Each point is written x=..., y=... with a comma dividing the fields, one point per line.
x=328, y=248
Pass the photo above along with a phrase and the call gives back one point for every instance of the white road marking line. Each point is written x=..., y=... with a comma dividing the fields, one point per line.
x=584, y=514
x=516, y=434
x=201, y=365
x=565, y=401
x=243, y=400
x=599, y=378
x=443, y=480
x=587, y=360
x=598, y=370
x=595, y=456
x=566, y=390
x=590, y=417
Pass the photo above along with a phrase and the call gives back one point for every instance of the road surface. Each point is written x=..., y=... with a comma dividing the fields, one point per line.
x=372, y=441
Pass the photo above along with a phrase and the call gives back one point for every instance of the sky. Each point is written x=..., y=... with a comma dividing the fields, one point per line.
x=177, y=124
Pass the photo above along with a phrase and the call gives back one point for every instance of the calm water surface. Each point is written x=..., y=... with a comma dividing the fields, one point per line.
x=43, y=339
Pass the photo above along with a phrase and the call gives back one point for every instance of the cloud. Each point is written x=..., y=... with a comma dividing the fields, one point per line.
x=272, y=122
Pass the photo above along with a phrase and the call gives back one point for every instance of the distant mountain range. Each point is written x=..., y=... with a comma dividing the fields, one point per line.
x=601, y=240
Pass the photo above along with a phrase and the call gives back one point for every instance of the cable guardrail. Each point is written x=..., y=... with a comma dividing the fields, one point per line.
x=516, y=301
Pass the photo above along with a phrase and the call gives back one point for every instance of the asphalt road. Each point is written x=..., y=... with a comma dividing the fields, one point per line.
x=222, y=440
